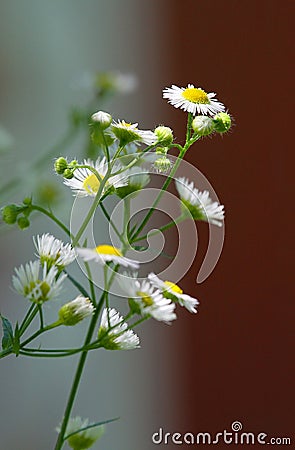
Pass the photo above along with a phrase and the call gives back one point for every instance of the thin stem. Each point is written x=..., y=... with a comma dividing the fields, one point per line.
x=164, y=188
x=27, y=319
x=91, y=284
x=182, y=151
x=78, y=374
x=77, y=284
x=52, y=217
x=163, y=228
x=92, y=209
x=41, y=317
x=110, y=221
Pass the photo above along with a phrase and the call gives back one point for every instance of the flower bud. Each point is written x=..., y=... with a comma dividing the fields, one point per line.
x=203, y=125
x=68, y=174
x=10, y=213
x=222, y=122
x=101, y=119
x=23, y=223
x=81, y=440
x=161, y=150
x=163, y=164
x=60, y=165
x=75, y=311
x=164, y=135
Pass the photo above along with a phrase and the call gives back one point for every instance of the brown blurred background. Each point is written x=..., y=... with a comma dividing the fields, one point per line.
x=235, y=360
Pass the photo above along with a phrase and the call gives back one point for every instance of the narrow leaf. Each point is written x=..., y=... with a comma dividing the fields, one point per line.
x=92, y=425
x=7, y=339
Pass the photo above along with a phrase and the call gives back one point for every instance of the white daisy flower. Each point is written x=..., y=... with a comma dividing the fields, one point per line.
x=193, y=100
x=128, y=132
x=53, y=251
x=171, y=290
x=85, y=183
x=147, y=300
x=200, y=205
x=106, y=253
x=73, y=312
x=113, y=332
x=39, y=290
x=82, y=439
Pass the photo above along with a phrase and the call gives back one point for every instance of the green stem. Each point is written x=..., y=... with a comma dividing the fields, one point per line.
x=52, y=217
x=182, y=151
x=92, y=209
x=164, y=188
x=78, y=374
x=28, y=318
x=110, y=221
x=163, y=228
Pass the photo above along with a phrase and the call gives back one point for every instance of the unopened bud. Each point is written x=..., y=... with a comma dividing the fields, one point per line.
x=102, y=119
x=10, y=213
x=164, y=135
x=23, y=223
x=163, y=164
x=203, y=125
x=222, y=122
x=60, y=165
x=68, y=174
x=73, y=312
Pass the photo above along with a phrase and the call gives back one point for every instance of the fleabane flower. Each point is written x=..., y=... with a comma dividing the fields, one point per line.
x=81, y=440
x=114, y=334
x=103, y=254
x=127, y=132
x=53, y=252
x=145, y=300
x=137, y=178
x=199, y=204
x=174, y=292
x=75, y=311
x=28, y=282
x=85, y=183
x=193, y=100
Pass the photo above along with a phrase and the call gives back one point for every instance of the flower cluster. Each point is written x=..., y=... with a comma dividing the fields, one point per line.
x=118, y=169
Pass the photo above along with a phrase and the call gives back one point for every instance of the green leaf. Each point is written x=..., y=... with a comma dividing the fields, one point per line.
x=92, y=425
x=7, y=339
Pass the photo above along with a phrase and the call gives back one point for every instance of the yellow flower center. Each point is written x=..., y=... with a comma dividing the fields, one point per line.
x=195, y=95
x=146, y=299
x=91, y=183
x=173, y=287
x=108, y=250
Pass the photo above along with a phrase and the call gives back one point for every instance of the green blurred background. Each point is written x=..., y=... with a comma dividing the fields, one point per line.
x=49, y=51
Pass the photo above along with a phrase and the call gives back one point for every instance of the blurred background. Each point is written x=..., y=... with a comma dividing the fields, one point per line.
x=232, y=361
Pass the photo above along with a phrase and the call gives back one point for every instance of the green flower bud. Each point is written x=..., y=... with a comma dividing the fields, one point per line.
x=164, y=135
x=101, y=119
x=68, y=173
x=162, y=150
x=27, y=201
x=75, y=311
x=203, y=125
x=82, y=440
x=60, y=165
x=222, y=122
x=163, y=164
x=23, y=222
x=10, y=213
